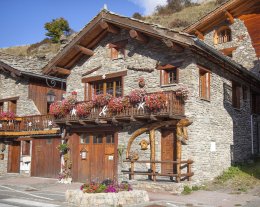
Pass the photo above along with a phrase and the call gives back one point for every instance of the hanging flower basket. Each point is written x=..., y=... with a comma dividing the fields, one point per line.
x=84, y=109
x=7, y=115
x=141, y=82
x=182, y=92
x=102, y=100
x=116, y=104
x=137, y=96
x=156, y=101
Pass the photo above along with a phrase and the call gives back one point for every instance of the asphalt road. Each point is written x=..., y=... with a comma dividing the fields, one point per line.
x=11, y=196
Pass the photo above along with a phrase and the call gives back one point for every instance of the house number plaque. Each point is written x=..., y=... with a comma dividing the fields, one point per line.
x=110, y=157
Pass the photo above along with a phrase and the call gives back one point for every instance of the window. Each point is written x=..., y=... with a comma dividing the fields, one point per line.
x=169, y=74
x=110, y=139
x=98, y=139
x=84, y=139
x=110, y=86
x=117, y=49
x=25, y=147
x=236, y=88
x=255, y=104
x=222, y=35
x=1, y=107
x=204, y=84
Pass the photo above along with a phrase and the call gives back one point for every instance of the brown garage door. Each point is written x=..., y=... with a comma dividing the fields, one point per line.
x=45, y=157
x=101, y=158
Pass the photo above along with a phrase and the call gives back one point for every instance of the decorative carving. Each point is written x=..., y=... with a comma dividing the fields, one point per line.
x=2, y=147
x=144, y=144
x=133, y=156
x=182, y=132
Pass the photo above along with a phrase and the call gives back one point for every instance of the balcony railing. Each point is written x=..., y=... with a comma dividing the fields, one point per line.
x=28, y=123
x=174, y=108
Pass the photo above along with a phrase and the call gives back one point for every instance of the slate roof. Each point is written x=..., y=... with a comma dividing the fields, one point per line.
x=32, y=65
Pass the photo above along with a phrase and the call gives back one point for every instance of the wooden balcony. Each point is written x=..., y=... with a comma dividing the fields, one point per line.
x=173, y=109
x=28, y=125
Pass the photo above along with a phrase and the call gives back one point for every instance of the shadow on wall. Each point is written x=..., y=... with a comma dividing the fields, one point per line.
x=245, y=139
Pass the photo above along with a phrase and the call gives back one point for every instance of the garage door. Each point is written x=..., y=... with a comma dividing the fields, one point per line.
x=45, y=157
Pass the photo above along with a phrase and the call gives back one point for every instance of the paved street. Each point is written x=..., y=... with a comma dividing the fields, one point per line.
x=16, y=190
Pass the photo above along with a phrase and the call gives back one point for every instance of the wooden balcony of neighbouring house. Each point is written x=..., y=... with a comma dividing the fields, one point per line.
x=173, y=109
x=28, y=125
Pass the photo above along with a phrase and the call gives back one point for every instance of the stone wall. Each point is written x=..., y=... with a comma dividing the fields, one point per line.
x=245, y=53
x=11, y=87
x=80, y=199
x=3, y=163
x=216, y=124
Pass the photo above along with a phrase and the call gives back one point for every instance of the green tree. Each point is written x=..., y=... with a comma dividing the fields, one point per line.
x=56, y=28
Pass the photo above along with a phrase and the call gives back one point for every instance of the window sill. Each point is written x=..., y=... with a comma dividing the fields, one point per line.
x=169, y=85
x=204, y=99
x=120, y=58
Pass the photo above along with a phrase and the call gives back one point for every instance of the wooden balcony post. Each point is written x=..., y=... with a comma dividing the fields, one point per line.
x=189, y=162
x=132, y=170
x=152, y=144
x=178, y=178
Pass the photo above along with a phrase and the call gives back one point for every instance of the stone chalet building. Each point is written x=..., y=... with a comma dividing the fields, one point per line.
x=164, y=134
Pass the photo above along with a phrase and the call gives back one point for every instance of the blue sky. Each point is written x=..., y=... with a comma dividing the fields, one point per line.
x=22, y=21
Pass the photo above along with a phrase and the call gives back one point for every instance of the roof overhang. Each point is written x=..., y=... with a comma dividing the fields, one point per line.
x=225, y=12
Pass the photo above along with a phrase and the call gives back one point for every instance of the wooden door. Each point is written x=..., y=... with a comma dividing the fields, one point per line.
x=14, y=158
x=101, y=157
x=168, y=150
x=45, y=157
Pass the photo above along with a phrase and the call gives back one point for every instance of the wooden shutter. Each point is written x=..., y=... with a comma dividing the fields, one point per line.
x=236, y=95
x=204, y=86
x=12, y=106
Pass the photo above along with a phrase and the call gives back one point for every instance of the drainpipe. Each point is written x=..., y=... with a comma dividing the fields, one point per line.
x=252, y=134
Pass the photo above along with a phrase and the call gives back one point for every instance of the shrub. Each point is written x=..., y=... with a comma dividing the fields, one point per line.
x=178, y=23
x=137, y=15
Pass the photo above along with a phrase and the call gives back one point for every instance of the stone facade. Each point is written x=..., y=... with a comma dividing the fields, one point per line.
x=11, y=87
x=244, y=53
x=219, y=134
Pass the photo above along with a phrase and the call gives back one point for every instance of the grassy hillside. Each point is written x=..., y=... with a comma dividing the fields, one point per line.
x=183, y=18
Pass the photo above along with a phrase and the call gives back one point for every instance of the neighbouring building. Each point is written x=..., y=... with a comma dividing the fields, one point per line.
x=28, y=135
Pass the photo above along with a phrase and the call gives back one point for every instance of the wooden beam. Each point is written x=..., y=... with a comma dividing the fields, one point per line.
x=109, y=27
x=199, y=34
x=61, y=71
x=138, y=36
x=84, y=50
x=172, y=45
x=230, y=18
x=92, y=70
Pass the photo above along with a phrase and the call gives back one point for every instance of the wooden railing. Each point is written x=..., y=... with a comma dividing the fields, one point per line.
x=152, y=174
x=174, y=107
x=28, y=123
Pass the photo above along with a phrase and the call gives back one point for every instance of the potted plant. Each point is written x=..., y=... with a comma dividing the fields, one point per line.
x=58, y=109
x=84, y=109
x=156, y=101
x=102, y=99
x=137, y=96
x=7, y=115
x=182, y=92
x=141, y=82
x=63, y=148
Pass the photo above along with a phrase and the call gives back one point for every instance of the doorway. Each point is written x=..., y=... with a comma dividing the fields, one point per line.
x=101, y=160
x=168, y=150
x=14, y=157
